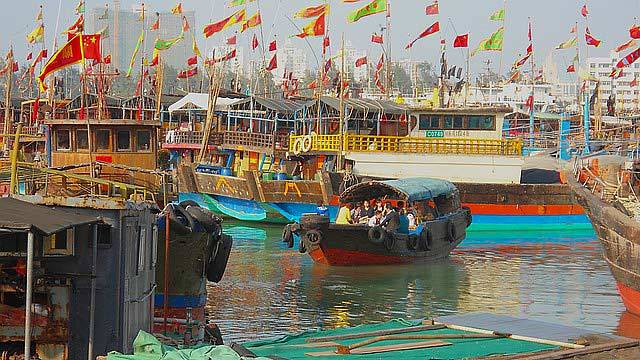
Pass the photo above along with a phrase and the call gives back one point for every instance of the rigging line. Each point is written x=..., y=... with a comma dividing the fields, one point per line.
x=55, y=37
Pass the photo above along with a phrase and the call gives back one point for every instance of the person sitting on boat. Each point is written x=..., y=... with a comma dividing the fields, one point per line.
x=368, y=210
x=322, y=209
x=344, y=215
x=391, y=220
x=376, y=219
x=355, y=213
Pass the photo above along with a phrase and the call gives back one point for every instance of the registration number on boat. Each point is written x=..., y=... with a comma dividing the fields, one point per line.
x=435, y=133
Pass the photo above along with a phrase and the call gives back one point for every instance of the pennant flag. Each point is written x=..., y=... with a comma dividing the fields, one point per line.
x=185, y=74
x=37, y=35
x=156, y=25
x=433, y=9
x=626, y=45
x=177, y=10
x=30, y=56
x=629, y=59
x=592, y=41
x=568, y=44
x=493, y=43
x=314, y=28
x=461, y=41
x=375, y=7
x=312, y=11
x=327, y=66
x=80, y=8
x=232, y=40
x=521, y=61
x=77, y=49
x=194, y=46
x=428, y=31
x=105, y=14
x=616, y=73
x=376, y=74
x=273, y=63
x=77, y=27
x=634, y=82
x=584, y=10
x=634, y=32
x=255, y=43
x=273, y=46
x=253, y=21
x=361, y=61
x=375, y=38
x=529, y=103
x=167, y=44
x=574, y=29
x=40, y=15
x=238, y=2
x=185, y=24
x=235, y=18
x=192, y=60
x=135, y=53
x=497, y=16
x=571, y=68
x=155, y=58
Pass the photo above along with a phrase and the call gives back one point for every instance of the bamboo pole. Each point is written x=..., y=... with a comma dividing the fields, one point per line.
x=377, y=333
x=346, y=349
x=7, y=99
x=14, y=160
x=29, y=295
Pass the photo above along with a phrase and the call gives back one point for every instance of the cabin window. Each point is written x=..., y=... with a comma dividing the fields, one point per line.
x=425, y=122
x=448, y=122
x=474, y=122
x=487, y=123
x=103, y=138
x=82, y=140
x=143, y=140
x=104, y=235
x=13, y=243
x=123, y=140
x=434, y=122
x=60, y=243
x=458, y=122
x=63, y=140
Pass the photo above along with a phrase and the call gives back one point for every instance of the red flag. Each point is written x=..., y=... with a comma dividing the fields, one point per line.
x=361, y=61
x=634, y=82
x=254, y=42
x=325, y=44
x=529, y=33
x=375, y=38
x=590, y=39
x=188, y=73
x=376, y=74
x=432, y=9
x=571, y=69
x=185, y=24
x=16, y=67
x=273, y=46
x=216, y=27
x=232, y=40
x=327, y=66
x=36, y=106
x=428, y=31
x=530, y=49
x=634, y=32
x=192, y=60
x=629, y=59
x=584, y=10
x=156, y=25
x=574, y=29
x=71, y=53
x=107, y=59
x=626, y=45
x=44, y=54
x=273, y=64
x=529, y=103
x=461, y=41
x=30, y=56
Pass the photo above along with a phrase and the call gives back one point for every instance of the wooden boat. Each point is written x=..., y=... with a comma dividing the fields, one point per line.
x=603, y=197
x=346, y=245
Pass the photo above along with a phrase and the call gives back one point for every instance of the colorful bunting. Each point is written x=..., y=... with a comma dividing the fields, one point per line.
x=492, y=43
x=375, y=38
x=253, y=21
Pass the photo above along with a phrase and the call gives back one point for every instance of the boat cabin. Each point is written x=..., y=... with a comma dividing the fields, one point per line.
x=459, y=123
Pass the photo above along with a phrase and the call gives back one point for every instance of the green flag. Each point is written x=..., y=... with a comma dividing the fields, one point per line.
x=568, y=44
x=135, y=53
x=492, y=43
x=167, y=44
x=375, y=7
x=498, y=15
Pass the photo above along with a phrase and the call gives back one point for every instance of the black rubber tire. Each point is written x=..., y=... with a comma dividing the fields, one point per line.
x=218, y=264
x=426, y=239
x=177, y=226
x=389, y=242
x=413, y=242
x=468, y=215
x=313, y=237
x=187, y=203
x=209, y=221
x=302, y=247
x=377, y=234
x=287, y=235
x=451, y=231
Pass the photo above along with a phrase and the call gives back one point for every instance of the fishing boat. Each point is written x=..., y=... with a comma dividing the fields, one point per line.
x=607, y=190
x=443, y=226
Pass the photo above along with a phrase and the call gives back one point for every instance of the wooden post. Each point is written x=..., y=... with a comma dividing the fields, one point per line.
x=92, y=306
x=14, y=161
x=7, y=100
x=341, y=126
x=29, y=296
x=165, y=302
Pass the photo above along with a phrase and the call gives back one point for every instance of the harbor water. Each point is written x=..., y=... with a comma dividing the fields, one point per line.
x=560, y=277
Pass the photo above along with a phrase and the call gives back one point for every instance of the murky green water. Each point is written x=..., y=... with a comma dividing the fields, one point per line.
x=271, y=290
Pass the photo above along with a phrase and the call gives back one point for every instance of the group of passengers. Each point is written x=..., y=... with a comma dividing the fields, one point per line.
x=376, y=212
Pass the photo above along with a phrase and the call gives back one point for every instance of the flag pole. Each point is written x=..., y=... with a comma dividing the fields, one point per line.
x=504, y=29
x=533, y=88
x=466, y=88
x=341, y=127
x=389, y=61
x=7, y=101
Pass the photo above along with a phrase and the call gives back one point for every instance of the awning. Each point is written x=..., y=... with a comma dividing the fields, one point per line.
x=367, y=105
x=20, y=216
x=200, y=101
x=411, y=189
x=283, y=106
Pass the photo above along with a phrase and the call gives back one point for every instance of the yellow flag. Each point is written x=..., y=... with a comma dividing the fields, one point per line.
x=37, y=35
x=194, y=45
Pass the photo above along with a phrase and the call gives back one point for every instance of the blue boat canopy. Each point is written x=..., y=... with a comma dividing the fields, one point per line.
x=410, y=189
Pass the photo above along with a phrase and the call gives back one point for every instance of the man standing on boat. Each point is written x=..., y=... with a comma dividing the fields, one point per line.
x=344, y=215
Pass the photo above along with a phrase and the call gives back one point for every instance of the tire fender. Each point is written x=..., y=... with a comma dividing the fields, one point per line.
x=426, y=238
x=377, y=234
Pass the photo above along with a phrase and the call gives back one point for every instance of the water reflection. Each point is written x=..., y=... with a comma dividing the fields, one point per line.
x=271, y=290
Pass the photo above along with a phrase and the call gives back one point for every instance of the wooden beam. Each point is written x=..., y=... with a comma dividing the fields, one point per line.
x=385, y=348
x=377, y=333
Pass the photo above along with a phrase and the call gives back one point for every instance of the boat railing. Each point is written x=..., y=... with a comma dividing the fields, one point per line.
x=189, y=137
x=256, y=141
x=403, y=144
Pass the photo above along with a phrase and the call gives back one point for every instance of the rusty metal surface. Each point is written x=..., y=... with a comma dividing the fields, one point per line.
x=223, y=185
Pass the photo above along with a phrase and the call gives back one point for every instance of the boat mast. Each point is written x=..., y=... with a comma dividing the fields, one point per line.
x=533, y=88
x=342, y=79
x=7, y=99
x=389, y=62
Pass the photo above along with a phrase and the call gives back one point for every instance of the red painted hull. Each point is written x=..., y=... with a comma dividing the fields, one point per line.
x=524, y=210
x=630, y=298
x=341, y=257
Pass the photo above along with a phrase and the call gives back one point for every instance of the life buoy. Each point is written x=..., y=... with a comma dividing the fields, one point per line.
x=425, y=238
x=218, y=263
x=389, y=242
x=377, y=234
x=451, y=231
x=412, y=242
x=307, y=142
x=297, y=146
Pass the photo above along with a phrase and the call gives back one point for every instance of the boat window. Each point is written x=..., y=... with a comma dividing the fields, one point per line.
x=143, y=140
x=123, y=140
x=104, y=235
x=63, y=140
x=458, y=122
x=103, y=138
x=434, y=122
x=13, y=243
x=60, y=243
x=425, y=122
x=474, y=122
x=448, y=122
x=488, y=123
x=82, y=141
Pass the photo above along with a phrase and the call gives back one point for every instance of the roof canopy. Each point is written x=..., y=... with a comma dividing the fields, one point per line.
x=284, y=106
x=367, y=105
x=20, y=216
x=200, y=101
x=410, y=189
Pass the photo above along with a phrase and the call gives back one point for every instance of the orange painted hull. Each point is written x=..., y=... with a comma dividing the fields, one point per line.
x=630, y=298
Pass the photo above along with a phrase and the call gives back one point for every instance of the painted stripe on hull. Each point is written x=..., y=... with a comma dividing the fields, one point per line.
x=341, y=257
x=523, y=210
x=630, y=298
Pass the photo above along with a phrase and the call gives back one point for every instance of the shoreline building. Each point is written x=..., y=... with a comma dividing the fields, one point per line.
x=626, y=96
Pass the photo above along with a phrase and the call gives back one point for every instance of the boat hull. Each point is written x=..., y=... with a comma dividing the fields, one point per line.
x=350, y=245
x=620, y=239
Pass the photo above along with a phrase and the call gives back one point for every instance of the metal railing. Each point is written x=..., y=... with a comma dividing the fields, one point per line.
x=403, y=144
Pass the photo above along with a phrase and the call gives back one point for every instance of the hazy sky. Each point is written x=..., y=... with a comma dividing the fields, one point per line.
x=552, y=20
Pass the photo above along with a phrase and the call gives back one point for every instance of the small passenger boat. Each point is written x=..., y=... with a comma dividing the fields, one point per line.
x=441, y=225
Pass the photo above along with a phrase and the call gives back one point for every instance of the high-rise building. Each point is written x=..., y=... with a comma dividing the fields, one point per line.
x=352, y=54
x=123, y=28
x=626, y=96
x=291, y=59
